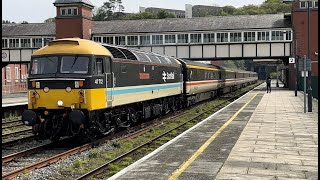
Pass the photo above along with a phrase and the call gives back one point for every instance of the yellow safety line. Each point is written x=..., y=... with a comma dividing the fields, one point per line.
x=186, y=164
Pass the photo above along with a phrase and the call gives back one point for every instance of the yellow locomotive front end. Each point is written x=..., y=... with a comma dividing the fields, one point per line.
x=66, y=83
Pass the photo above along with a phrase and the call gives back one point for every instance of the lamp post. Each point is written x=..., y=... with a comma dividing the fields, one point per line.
x=309, y=58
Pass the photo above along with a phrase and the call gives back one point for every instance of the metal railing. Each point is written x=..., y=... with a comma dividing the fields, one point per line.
x=14, y=86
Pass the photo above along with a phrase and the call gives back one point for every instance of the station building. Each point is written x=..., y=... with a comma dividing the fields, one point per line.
x=190, y=38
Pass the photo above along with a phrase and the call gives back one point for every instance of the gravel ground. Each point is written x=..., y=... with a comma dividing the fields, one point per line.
x=22, y=146
x=54, y=170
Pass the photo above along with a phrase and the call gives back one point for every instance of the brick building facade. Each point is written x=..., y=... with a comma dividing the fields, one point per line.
x=299, y=17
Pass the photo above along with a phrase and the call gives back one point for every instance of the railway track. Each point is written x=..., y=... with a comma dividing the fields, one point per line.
x=100, y=170
x=52, y=153
x=55, y=155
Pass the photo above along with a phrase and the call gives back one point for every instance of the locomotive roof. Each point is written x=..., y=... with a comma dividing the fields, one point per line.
x=139, y=55
x=72, y=46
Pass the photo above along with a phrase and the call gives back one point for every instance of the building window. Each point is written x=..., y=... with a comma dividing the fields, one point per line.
x=288, y=36
x=13, y=43
x=208, y=37
x=108, y=40
x=25, y=43
x=16, y=74
x=157, y=39
x=235, y=37
x=183, y=38
x=195, y=38
x=249, y=36
x=222, y=37
x=315, y=5
x=263, y=36
x=120, y=40
x=71, y=11
x=8, y=74
x=37, y=42
x=132, y=40
x=144, y=40
x=4, y=43
x=97, y=39
x=303, y=4
x=277, y=35
x=47, y=40
x=169, y=38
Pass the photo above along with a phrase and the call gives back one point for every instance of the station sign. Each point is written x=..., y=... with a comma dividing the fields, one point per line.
x=291, y=60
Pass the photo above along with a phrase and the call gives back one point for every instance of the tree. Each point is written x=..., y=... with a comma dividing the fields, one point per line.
x=50, y=20
x=7, y=22
x=111, y=9
x=162, y=14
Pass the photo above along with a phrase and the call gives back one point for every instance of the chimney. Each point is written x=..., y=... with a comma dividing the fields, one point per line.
x=73, y=19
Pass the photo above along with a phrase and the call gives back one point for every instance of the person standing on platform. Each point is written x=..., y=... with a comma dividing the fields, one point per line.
x=269, y=84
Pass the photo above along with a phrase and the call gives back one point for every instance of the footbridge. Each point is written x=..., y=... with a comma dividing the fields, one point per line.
x=202, y=39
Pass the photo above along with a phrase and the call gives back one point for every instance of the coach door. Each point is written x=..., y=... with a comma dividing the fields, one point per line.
x=109, y=84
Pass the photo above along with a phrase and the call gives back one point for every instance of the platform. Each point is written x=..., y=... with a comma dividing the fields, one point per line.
x=14, y=99
x=277, y=141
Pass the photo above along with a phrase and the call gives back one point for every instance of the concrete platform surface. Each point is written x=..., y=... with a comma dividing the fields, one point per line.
x=280, y=141
x=14, y=99
x=259, y=136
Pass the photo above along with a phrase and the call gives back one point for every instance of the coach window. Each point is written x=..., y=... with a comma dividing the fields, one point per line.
x=4, y=43
x=235, y=37
x=169, y=38
x=132, y=40
x=195, y=38
x=120, y=40
x=183, y=38
x=144, y=40
x=207, y=38
x=25, y=43
x=157, y=39
x=222, y=37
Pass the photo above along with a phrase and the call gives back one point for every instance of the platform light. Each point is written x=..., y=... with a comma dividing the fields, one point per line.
x=37, y=84
x=33, y=84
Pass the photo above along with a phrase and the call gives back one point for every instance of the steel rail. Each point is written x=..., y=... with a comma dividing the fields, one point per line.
x=104, y=166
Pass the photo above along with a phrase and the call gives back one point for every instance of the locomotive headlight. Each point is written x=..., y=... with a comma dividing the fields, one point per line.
x=46, y=89
x=60, y=103
x=68, y=89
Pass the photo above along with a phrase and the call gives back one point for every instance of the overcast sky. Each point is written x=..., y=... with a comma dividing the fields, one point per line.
x=36, y=11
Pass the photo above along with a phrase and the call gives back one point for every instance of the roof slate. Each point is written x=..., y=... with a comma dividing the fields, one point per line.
x=193, y=24
x=31, y=29
x=73, y=1
x=213, y=23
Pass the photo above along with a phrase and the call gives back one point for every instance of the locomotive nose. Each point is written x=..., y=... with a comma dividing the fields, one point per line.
x=30, y=118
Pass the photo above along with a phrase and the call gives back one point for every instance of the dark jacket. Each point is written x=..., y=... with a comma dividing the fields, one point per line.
x=268, y=80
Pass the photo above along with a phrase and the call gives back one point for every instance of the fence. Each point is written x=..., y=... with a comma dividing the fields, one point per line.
x=14, y=86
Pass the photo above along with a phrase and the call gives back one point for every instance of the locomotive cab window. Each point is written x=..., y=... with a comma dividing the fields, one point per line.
x=74, y=64
x=99, y=66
